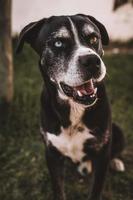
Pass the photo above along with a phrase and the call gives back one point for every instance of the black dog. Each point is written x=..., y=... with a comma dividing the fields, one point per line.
x=75, y=115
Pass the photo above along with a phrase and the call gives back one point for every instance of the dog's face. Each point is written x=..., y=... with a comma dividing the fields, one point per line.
x=70, y=49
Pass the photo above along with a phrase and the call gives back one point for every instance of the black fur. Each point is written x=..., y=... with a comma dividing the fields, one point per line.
x=55, y=112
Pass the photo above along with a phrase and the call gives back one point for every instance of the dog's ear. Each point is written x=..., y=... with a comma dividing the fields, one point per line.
x=102, y=29
x=29, y=34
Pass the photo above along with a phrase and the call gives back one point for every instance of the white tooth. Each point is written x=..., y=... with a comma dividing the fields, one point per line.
x=95, y=90
x=91, y=82
x=93, y=95
x=79, y=93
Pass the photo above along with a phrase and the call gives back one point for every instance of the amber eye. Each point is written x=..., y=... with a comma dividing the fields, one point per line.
x=93, y=40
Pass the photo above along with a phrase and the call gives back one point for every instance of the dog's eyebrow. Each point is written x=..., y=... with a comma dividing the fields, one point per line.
x=88, y=29
x=62, y=32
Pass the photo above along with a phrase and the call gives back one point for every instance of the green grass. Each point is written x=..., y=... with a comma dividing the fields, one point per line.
x=23, y=173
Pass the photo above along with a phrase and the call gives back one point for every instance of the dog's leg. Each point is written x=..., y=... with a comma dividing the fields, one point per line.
x=55, y=164
x=101, y=166
x=118, y=145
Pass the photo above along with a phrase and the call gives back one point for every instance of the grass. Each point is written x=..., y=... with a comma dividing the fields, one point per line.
x=23, y=173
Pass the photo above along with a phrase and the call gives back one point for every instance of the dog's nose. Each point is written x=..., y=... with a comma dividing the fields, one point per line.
x=91, y=62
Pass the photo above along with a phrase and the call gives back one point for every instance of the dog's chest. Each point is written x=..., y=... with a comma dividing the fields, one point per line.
x=70, y=142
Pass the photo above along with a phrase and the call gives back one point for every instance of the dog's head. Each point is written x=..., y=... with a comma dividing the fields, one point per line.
x=70, y=50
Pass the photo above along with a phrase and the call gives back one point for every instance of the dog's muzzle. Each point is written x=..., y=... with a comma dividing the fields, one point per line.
x=85, y=93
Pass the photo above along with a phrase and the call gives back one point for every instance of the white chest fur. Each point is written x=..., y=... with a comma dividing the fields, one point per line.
x=70, y=142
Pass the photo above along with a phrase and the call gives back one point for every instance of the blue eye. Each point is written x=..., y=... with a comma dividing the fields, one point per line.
x=58, y=44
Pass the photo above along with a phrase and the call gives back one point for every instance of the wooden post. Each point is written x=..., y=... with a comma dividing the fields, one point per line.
x=6, y=61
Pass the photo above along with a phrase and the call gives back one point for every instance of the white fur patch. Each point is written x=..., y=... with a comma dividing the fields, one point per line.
x=75, y=33
x=76, y=112
x=87, y=165
x=88, y=29
x=62, y=32
x=70, y=142
x=117, y=165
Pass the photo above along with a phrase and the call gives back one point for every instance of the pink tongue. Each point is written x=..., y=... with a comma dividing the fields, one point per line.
x=87, y=88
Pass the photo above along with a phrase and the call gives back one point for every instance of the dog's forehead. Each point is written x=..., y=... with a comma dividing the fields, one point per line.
x=62, y=26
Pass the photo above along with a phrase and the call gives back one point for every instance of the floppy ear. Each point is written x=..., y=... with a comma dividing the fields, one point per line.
x=29, y=34
x=102, y=29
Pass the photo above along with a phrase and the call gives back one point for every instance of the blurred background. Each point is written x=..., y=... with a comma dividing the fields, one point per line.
x=23, y=171
x=27, y=11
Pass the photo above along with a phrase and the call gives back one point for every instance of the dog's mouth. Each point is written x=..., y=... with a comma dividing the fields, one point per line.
x=85, y=94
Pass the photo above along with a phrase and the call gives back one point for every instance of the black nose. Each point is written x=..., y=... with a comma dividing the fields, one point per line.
x=91, y=62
